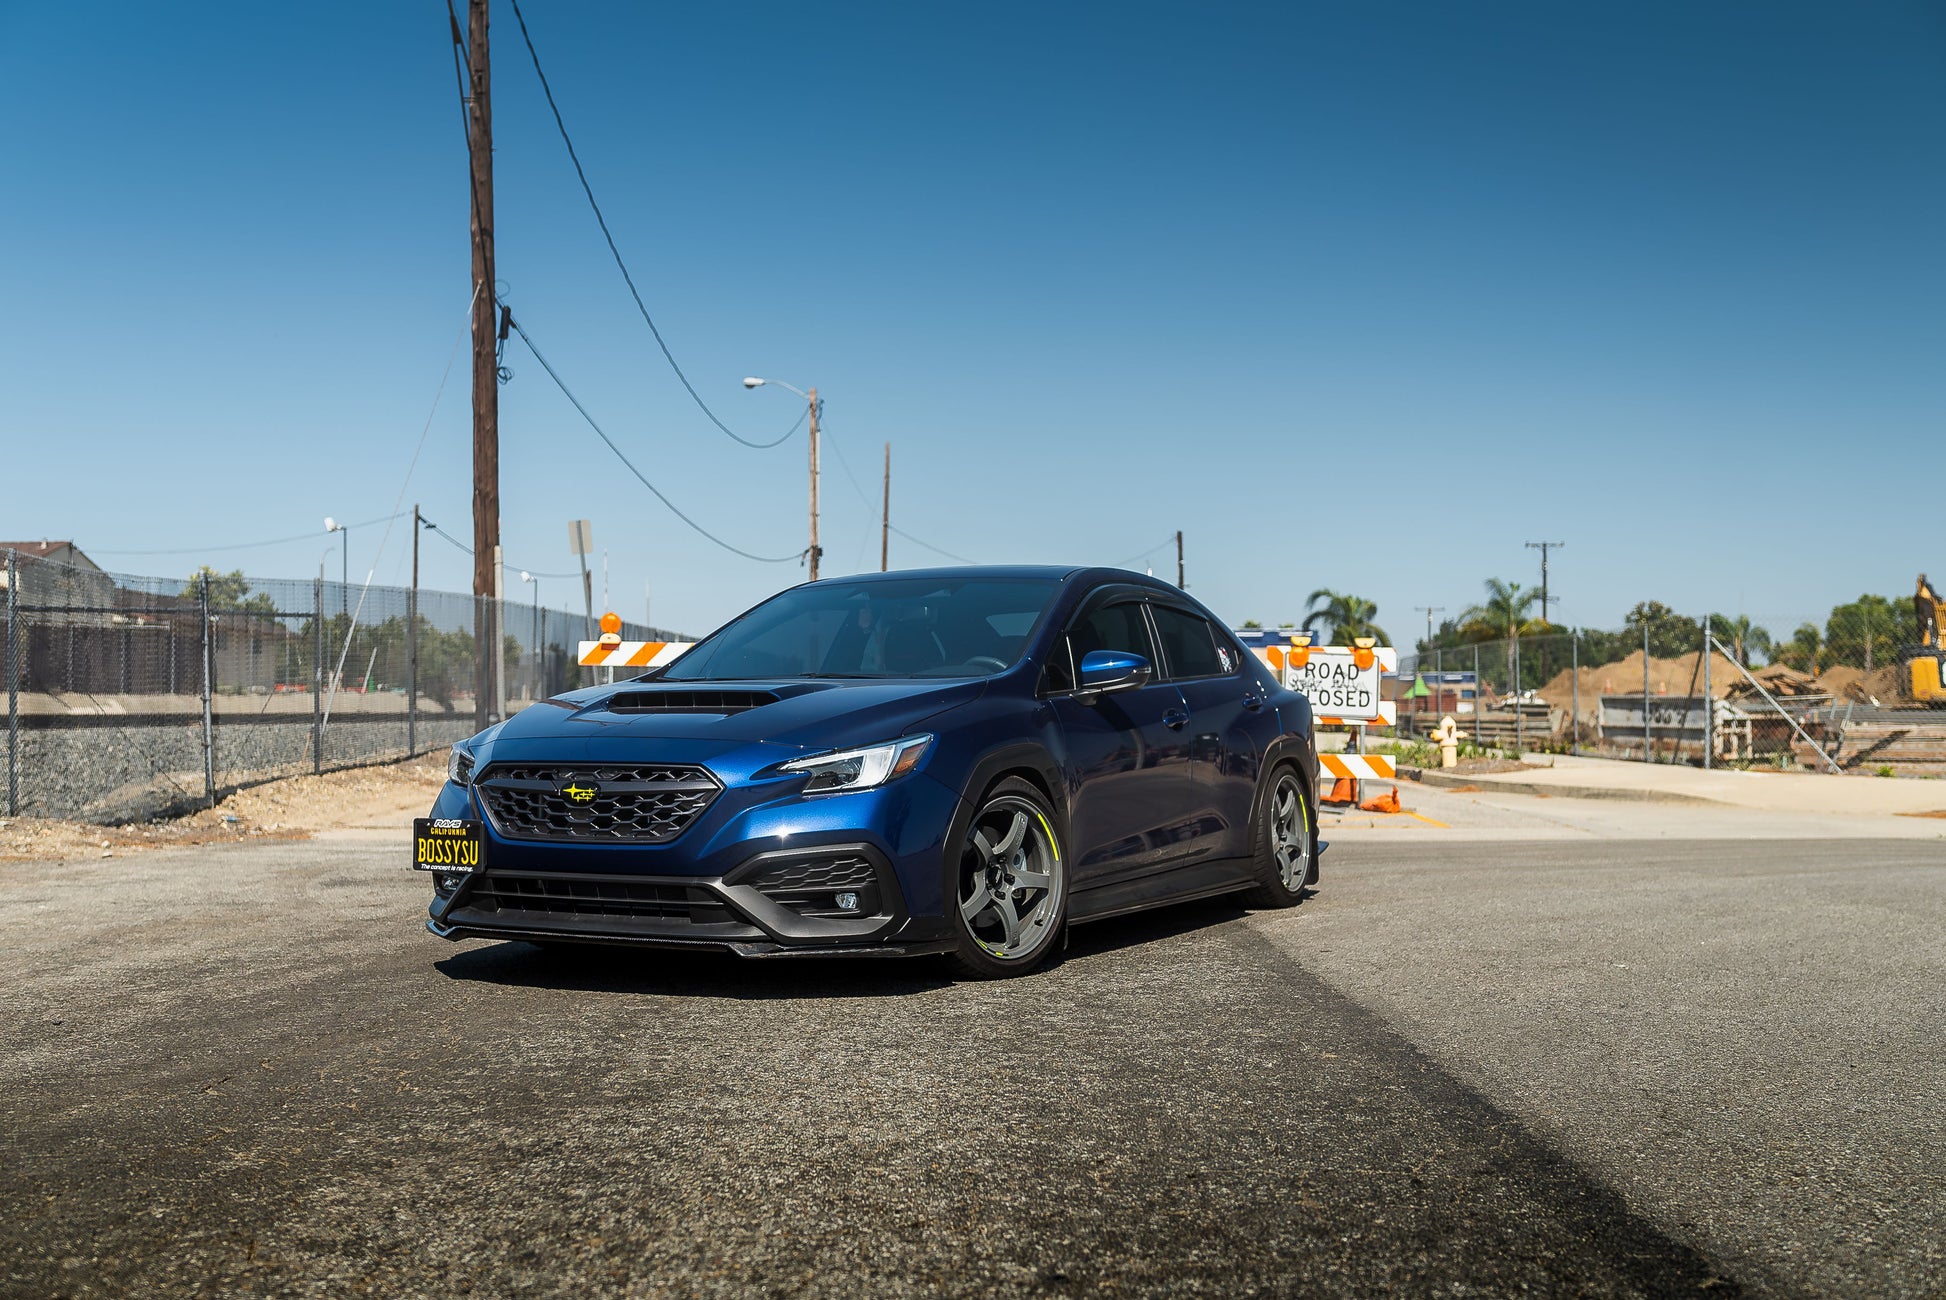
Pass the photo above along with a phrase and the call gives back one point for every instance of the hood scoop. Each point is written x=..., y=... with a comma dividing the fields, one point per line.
x=674, y=701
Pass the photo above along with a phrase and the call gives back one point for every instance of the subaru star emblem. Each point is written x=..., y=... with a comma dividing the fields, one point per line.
x=579, y=791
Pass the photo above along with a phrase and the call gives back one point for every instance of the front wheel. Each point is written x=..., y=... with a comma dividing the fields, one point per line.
x=1286, y=836
x=1011, y=898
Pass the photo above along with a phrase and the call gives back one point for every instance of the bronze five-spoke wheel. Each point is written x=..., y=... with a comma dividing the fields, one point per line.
x=1012, y=894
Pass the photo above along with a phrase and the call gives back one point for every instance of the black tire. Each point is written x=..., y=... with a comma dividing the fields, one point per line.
x=1286, y=852
x=1004, y=922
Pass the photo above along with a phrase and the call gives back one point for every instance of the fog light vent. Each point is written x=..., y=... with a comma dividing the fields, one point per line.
x=838, y=885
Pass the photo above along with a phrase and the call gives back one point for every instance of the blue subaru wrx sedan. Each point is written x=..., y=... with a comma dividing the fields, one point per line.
x=955, y=761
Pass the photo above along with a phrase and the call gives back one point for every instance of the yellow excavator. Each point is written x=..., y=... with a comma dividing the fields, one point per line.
x=1927, y=686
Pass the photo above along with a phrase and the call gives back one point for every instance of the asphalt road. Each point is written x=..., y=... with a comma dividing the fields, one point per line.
x=1567, y=1068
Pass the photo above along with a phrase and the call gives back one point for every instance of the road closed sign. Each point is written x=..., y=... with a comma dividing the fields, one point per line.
x=1341, y=682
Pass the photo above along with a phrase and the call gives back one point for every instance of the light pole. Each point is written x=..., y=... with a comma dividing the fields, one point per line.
x=812, y=398
x=534, y=627
x=344, y=561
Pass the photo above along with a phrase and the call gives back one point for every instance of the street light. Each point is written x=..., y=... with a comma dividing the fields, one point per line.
x=812, y=398
x=344, y=562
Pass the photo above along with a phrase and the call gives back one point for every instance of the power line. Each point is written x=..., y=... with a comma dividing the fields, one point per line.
x=246, y=546
x=1170, y=540
x=873, y=509
x=602, y=221
x=929, y=546
x=454, y=541
x=824, y=431
x=640, y=477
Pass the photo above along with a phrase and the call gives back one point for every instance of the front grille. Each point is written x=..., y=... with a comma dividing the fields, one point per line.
x=631, y=805
x=622, y=898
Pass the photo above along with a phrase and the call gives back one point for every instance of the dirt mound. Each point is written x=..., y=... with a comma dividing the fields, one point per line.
x=1889, y=685
x=1678, y=676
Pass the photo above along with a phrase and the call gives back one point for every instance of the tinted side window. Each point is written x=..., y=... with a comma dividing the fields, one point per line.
x=1190, y=644
x=1111, y=627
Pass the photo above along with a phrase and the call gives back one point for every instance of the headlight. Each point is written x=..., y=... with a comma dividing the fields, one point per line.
x=860, y=769
x=459, y=767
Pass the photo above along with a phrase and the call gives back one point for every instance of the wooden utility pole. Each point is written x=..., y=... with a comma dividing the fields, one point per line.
x=486, y=378
x=1179, y=581
x=815, y=550
x=1544, y=548
x=885, y=517
x=412, y=647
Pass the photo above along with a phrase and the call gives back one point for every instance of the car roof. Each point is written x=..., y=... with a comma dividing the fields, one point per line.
x=1057, y=572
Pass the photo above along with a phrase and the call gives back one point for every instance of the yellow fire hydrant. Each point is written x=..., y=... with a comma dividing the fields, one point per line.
x=1448, y=742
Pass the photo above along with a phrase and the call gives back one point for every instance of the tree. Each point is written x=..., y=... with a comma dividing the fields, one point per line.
x=1803, y=651
x=1346, y=616
x=1503, y=615
x=1742, y=636
x=227, y=591
x=1869, y=632
x=1669, y=633
x=1252, y=625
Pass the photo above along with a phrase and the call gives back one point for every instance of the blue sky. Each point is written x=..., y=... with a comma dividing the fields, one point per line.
x=1358, y=296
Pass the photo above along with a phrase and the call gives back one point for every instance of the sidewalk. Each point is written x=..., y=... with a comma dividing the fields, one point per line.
x=1563, y=776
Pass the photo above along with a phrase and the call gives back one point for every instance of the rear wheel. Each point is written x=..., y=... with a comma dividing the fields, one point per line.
x=1011, y=877
x=1286, y=836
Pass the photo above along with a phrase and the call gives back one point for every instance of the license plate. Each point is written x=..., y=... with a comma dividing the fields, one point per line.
x=446, y=844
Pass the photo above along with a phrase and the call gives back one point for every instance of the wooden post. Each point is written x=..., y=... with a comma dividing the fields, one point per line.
x=885, y=516
x=815, y=550
x=1184, y=585
x=486, y=377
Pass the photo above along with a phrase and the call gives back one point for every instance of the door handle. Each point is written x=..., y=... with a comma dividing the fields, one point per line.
x=1175, y=719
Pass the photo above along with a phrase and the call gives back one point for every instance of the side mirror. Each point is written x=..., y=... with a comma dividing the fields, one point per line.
x=1103, y=671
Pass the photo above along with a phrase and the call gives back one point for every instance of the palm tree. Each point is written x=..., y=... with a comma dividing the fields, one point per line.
x=1346, y=615
x=1504, y=614
x=1803, y=650
x=1743, y=636
x=1503, y=617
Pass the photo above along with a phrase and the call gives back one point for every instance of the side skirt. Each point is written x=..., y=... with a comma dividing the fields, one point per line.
x=1203, y=880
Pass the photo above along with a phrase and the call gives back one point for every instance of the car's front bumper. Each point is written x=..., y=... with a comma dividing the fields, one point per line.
x=716, y=885
x=749, y=910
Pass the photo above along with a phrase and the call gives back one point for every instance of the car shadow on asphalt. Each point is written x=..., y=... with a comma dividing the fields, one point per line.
x=597, y=968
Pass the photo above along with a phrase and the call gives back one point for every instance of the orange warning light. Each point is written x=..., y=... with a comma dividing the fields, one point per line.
x=611, y=622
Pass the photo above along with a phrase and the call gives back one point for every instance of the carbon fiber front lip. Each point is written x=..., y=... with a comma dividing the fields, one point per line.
x=739, y=947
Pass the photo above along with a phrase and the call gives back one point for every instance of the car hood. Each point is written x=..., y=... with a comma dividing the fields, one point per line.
x=716, y=716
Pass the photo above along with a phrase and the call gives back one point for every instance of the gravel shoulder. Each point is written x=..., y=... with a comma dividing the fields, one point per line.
x=386, y=795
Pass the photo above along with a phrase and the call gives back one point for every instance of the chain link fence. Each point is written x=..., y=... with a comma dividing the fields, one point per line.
x=1824, y=700
x=131, y=697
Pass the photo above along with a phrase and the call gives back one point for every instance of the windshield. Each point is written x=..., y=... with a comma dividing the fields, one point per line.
x=935, y=627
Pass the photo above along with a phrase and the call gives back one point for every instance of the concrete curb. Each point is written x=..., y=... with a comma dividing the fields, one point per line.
x=1487, y=782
